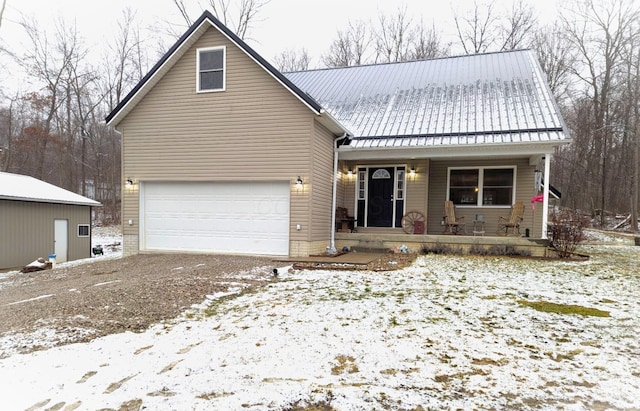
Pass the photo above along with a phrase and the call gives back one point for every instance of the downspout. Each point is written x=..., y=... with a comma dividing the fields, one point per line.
x=332, y=245
x=545, y=196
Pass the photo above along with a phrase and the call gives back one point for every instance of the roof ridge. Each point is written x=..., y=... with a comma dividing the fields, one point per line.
x=458, y=56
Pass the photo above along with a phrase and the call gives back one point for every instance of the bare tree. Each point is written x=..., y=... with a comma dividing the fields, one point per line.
x=599, y=32
x=475, y=28
x=128, y=58
x=292, y=60
x=394, y=37
x=484, y=28
x=556, y=56
x=2, y=6
x=239, y=19
x=427, y=44
x=350, y=47
x=518, y=26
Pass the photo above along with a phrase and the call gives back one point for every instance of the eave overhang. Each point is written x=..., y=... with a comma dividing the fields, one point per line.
x=450, y=151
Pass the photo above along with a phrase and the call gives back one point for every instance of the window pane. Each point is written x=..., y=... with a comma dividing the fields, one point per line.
x=498, y=177
x=498, y=186
x=211, y=60
x=211, y=80
x=463, y=186
x=463, y=196
x=468, y=178
x=497, y=196
x=83, y=230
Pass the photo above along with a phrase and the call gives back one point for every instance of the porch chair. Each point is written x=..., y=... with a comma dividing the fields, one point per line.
x=511, y=225
x=453, y=224
x=344, y=222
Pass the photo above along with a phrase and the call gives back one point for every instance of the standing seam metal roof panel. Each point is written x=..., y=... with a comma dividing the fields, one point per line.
x=479, y=97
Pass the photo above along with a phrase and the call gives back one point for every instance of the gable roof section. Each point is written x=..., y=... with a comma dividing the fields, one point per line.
x=477, y=99
x=199, y=27
x=19, y=187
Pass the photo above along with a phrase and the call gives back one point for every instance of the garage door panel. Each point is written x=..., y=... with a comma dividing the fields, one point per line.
x=246, y=218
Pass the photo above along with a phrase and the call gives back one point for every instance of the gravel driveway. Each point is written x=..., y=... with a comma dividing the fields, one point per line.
x=82, y=302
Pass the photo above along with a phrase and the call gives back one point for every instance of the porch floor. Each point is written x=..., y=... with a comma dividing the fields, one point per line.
x=391, y=238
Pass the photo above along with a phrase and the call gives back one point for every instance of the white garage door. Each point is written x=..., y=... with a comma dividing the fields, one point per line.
x=238, y=218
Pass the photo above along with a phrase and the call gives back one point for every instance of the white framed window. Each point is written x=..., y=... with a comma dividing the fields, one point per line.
x=400, y=174
x=211, y=69
x=83, y=230
x=361, y=184
x=481, y=186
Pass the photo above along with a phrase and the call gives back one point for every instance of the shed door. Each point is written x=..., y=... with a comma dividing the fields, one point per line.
x=238, y=218
x=61, y=240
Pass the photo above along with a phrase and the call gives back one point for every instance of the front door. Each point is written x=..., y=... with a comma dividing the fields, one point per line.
x=61, y=240
x=380, y=199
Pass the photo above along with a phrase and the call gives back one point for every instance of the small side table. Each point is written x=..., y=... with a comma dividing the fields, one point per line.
x=478, y=227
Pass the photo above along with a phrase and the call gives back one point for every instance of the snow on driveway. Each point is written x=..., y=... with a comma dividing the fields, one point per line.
x=446, y=333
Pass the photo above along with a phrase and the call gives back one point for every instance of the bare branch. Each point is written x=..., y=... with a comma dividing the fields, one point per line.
x=291, y=60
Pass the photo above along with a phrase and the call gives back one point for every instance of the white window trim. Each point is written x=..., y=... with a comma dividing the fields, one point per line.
x=481, y=185
x=224, y=69
x=88, y=230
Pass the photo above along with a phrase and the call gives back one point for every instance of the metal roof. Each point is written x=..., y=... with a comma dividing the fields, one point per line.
x=24, y=188
x=478, y=99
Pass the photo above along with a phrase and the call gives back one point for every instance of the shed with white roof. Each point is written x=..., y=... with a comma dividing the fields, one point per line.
x=38, y=219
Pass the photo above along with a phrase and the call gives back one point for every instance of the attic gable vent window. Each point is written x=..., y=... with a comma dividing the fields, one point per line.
x=211, y=69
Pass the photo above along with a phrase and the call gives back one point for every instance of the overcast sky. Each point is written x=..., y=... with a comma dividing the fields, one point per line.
x=282, y=25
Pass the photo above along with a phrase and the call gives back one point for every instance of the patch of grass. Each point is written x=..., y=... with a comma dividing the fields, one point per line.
x=557, y=357
x=214, y=395
x=489, y=361
x=549, y=307
x=346, y=364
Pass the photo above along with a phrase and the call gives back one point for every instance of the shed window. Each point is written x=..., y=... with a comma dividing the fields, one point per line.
x=211, y=69
x=83, y=230
x=482, y=186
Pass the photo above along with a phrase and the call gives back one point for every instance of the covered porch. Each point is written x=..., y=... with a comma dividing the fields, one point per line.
x=483, y=185
x=367, y=239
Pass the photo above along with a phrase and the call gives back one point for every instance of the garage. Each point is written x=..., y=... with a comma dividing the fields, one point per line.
x=221, y=217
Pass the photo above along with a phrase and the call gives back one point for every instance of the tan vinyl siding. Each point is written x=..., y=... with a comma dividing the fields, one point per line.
x=27, y=230
x=322, y=184
x=417, y=185
x=523, y=187
x=256, y=130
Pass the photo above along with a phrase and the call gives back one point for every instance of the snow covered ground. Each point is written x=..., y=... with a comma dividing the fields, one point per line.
x=447, y=333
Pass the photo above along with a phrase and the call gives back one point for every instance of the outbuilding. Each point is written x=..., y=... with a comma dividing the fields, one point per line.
x=38, y=219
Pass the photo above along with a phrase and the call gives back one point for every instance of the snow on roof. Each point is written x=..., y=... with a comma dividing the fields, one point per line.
x=24, y=188
x=476, y=99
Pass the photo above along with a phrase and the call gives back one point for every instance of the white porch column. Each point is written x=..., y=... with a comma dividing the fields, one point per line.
x=545, y=199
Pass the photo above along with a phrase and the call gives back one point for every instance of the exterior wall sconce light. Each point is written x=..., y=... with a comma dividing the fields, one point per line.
x=350, y=172
x=299, y=183
x=128, y=183
x=412, y=171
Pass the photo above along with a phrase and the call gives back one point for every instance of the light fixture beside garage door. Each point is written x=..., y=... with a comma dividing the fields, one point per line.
x=299, y=183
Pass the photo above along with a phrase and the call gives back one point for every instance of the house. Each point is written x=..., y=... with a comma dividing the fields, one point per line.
x=224, y=153
x=38, y=219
